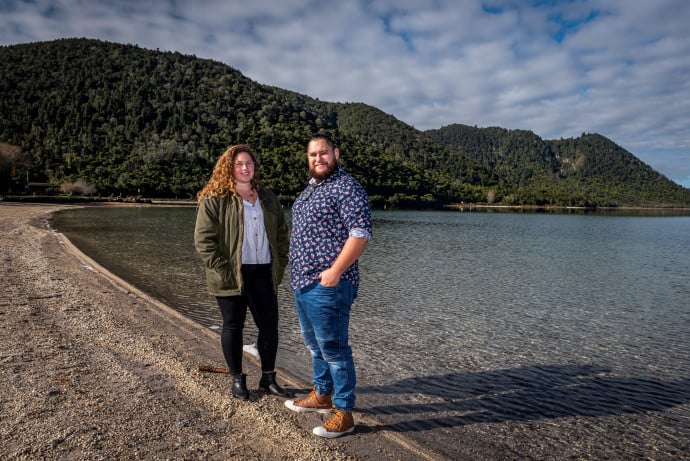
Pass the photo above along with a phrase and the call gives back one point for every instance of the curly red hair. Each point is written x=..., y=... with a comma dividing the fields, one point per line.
x=222, y=182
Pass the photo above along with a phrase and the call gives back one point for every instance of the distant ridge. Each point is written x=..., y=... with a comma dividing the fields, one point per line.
x=129, y=121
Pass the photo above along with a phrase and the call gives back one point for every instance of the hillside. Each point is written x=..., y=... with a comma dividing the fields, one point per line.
x=130, y=121
x=587, y=171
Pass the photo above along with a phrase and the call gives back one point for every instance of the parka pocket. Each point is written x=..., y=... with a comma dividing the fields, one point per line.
x=222, y=279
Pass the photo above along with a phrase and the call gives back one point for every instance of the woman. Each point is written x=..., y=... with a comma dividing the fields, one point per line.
x=242, y=236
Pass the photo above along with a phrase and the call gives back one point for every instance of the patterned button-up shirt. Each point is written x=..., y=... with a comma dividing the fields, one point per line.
x=324, y=216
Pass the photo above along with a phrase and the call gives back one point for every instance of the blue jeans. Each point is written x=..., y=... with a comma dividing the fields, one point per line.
x=324, y=315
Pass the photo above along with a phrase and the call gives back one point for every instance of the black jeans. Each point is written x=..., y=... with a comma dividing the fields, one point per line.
x=262, y=301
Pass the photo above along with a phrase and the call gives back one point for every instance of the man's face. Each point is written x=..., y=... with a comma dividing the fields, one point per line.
x=322, y=159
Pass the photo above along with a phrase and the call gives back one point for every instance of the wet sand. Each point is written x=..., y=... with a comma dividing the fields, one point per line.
x=94, y=368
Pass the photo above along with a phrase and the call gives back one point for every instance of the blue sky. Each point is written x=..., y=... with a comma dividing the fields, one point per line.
x=558, y=68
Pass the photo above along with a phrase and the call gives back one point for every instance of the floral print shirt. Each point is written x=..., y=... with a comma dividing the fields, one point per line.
x=324, y=216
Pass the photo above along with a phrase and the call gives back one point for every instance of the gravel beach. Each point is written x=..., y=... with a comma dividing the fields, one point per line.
x=92, y=368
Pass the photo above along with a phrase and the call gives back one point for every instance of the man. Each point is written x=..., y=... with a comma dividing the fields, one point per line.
x=331, y=225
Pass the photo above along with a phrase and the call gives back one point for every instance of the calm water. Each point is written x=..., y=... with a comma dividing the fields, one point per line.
x=483, y=335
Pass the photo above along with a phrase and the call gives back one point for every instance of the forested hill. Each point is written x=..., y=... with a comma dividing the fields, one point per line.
x=119, y=119
x=587, y=170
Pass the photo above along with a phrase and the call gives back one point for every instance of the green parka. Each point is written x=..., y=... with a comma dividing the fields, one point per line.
x=218, y=237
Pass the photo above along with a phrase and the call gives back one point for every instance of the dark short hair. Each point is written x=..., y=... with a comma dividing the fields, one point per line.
x=324, y=136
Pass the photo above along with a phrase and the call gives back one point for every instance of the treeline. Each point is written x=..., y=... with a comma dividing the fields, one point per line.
x=123, y=120
x=587, y=171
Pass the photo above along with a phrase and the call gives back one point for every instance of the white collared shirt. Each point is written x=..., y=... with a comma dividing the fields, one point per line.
x=255, y=247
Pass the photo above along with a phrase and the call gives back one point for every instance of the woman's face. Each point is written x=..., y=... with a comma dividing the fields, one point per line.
x=244, y=168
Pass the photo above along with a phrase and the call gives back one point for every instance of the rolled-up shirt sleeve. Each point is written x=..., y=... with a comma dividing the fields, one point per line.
x=359, y=233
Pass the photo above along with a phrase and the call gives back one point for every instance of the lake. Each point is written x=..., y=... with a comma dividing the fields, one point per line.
x=484, y=335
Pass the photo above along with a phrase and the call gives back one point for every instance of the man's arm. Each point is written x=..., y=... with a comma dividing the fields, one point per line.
x=352, y=250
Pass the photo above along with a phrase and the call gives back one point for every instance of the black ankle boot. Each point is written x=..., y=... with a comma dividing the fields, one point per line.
x=239, y=386
x=268, y=383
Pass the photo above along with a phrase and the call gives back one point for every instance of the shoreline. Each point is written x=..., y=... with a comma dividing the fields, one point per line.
x=47, y=200
x=93, y=367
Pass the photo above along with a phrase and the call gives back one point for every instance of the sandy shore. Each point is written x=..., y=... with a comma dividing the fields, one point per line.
x=92, y=368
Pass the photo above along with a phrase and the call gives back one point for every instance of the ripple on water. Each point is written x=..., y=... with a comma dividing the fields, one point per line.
x=483, y=335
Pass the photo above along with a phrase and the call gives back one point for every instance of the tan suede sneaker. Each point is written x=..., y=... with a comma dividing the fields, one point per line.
x=313, y=402
x=341, y=423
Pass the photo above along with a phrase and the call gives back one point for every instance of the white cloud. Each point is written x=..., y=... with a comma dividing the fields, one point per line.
x=615, y=68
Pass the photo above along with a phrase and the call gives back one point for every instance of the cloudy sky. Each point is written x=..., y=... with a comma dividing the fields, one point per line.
x=559, y=68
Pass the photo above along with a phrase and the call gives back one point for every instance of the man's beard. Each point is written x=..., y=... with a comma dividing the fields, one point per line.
x=325, y=174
